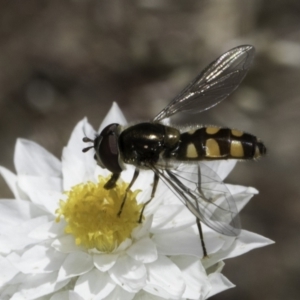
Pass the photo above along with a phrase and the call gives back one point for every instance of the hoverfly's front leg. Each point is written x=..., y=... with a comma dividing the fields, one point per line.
x=111, y=183
x=155, y=182
x=135, y=176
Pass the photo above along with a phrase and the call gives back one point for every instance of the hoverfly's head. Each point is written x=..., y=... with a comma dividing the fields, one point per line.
x=106, y=148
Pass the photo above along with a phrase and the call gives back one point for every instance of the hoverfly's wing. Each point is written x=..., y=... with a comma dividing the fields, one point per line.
x=205, y=195
x=213, y=84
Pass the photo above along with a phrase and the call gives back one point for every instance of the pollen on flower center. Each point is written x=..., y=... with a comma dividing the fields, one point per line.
x=91, y=213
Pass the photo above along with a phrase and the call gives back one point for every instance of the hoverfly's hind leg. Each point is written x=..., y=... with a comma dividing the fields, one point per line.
x=201, y=237
x=190, y=200
x=135, y=176
x=111, y=183
x=197, y=220
x=155, y=183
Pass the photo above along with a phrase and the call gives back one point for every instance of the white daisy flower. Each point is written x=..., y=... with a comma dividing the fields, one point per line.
x=61, y=237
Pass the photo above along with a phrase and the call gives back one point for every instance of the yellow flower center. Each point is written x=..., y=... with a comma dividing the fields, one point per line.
x=91, y=213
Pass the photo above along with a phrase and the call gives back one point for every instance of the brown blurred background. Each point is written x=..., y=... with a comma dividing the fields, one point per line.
x=63, y=60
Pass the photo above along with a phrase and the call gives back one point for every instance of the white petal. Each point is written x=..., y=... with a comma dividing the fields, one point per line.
x=50, y=200
x=5, y=243
x=246, y=242
x=13, y=287
x=114, y=115
x=40, y=259
x=12, y=181
x=187, y=242
x=170, y=218
x=75, y=170
x=38, y=285
x=30, y=184
x=143, y=250
x=216, y=268
x=104, y=262
x=221, y=167
x=240, y=189
x=8, y=271
x=66, y=244
x=143, y=295
x=144, y=179
x=42, y=189
x=119, y=294
x=16, y=237
x=19, y=278
x=100, y=172
x=13, y=212
x=66, y=295
x=164, y=279
x=194, y=275
x=219, y=283
x=123, y=246
x=26, y=227
x=76, y=263
x=241, y=194
x=143, y=229
x=94, y=285
x=164, y=195
x=32, y=159
x=48, y=230
x=128, y=273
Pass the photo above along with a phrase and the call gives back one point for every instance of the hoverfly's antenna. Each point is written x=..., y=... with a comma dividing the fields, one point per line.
x=86, y=140
x=87, y=148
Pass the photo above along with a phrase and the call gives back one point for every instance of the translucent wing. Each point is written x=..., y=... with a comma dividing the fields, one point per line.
x=213, y=84
x=205, y=195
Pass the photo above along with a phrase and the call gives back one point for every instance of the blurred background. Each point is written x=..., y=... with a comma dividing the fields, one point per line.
x=63, y=60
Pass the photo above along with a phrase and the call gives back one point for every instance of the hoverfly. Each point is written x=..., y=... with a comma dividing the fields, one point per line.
x=168, y=150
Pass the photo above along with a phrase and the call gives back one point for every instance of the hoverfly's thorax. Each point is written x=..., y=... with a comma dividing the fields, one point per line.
x=172, y=137
x=107, y=148
x=145, y=142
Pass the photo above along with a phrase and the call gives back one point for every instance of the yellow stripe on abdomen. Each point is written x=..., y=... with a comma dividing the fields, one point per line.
x=191, y=151
x=237, y=133
x=236, y=149
x=212, y=130
x=212, y=148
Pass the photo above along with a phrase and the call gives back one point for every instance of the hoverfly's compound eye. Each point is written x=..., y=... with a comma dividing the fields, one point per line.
x=107, y=149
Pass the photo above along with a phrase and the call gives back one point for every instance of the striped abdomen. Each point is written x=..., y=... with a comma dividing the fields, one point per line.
x=218, y=143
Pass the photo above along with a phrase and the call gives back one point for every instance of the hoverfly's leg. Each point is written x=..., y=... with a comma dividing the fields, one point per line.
x=201, y=237
x=135, y=176
x=190, y=206
x=155, y=182
x=111, y=183
x=197, y=220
